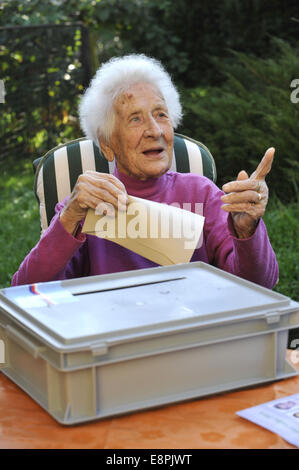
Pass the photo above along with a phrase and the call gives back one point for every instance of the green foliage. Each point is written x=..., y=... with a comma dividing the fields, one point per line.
x=235, y=103
x=19, y=215
x=185, y=35
x=250, y=112
x=282, y=226
x=42, y=89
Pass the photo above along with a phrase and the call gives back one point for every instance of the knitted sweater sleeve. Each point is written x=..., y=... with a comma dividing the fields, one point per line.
x=57, y=255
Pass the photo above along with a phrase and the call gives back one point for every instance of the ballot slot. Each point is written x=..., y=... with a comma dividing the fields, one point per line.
x=127, y=286
x=121, y=280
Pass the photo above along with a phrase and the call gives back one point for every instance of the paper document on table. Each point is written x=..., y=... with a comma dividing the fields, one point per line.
x=162, y=233
x=280, y=416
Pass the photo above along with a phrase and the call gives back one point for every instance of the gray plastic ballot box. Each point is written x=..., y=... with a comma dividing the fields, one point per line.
x=103, y=345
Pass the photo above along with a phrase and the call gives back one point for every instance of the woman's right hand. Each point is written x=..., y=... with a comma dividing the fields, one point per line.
x=91, y=189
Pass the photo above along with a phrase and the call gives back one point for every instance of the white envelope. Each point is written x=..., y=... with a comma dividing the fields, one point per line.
x=163, y=233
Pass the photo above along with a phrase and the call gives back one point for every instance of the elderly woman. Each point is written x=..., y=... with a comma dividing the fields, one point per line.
x=131, y=110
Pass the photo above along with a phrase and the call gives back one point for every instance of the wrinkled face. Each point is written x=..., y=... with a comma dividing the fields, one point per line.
x=142, y=140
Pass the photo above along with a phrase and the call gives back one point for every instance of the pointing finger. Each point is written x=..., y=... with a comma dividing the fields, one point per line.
x=264, y=166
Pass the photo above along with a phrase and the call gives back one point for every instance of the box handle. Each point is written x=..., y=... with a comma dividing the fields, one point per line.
x=100, y=349
x=273, y=317
x=25, y=343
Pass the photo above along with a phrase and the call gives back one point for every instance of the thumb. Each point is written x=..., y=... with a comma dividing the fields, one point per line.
x=242, y=176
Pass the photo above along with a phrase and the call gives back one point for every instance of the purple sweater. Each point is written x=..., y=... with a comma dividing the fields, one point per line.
x=58, y=255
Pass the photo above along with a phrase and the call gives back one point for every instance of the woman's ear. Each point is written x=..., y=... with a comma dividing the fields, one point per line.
x=106, y=150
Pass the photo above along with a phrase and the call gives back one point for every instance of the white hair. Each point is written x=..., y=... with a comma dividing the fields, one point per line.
x=117, y=76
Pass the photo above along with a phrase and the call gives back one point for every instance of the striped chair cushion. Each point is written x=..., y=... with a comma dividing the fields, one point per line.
x=56, y=172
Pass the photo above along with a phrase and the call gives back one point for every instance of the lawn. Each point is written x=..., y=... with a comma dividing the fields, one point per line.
x=19, y=229
x=19, y=215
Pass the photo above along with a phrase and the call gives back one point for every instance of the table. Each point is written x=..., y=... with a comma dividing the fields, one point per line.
x=205, y=423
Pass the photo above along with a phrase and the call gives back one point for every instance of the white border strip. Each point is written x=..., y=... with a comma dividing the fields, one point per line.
x=87, y=155
x=173, y=163
x=111, y=167
x=195, y=158
x=41, y=196
x=62, y=173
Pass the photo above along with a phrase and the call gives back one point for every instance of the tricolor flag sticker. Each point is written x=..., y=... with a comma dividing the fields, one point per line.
x=40, y=295
x=33, y=288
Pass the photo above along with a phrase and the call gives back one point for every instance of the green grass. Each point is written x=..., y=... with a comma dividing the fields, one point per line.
x=19, y=215
x=19, y=229
x=282, y=223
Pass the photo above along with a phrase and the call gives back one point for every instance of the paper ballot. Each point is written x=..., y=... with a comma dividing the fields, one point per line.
x=280, y=416
x=163, y=233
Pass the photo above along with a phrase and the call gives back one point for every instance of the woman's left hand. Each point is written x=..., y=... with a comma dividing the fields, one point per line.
x=247, y=197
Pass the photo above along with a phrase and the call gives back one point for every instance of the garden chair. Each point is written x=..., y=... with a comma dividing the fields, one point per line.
x=57, y=171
